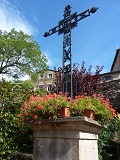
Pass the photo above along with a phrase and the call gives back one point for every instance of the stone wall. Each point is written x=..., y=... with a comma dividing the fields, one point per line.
x=111, y=90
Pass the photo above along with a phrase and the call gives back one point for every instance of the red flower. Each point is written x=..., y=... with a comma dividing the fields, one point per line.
x=60, y=93
x=19, y=115
x=35, y=116
x=94, y=95
x=40, y=107
x=26, y=113
x=24, y=106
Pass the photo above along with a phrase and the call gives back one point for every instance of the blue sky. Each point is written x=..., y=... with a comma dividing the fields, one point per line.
x=94, y=41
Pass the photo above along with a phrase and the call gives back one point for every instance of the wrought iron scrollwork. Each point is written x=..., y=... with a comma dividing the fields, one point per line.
x=69, y=22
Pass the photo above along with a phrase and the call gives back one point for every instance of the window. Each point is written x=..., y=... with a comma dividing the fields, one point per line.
x=41, y=86
x=41, y=76
x=108, y=78
x=49, y=87
x=50, y=75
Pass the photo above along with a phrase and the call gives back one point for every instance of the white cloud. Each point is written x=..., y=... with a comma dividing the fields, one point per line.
x=53, y=61
x=11, y=17
x=49, y=58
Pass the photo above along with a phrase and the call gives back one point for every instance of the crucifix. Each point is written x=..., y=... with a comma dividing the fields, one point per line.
x=64, y=27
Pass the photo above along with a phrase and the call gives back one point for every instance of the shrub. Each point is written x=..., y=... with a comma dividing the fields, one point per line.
x=109, y=141
x=13, y=137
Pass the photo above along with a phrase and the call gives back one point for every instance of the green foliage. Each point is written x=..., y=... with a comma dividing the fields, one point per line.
x=37, y=107
x=42, y=92
x=27, y=84
x=101, y=107
x=8, y=129
x=109, y=141
x=13, y=136
x=20, y=54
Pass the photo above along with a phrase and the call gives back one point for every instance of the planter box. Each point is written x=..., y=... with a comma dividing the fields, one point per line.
x=89, y=113
x=63, y=112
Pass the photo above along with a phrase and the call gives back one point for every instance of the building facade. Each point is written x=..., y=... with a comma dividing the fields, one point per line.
x=112, y=80
x=46, y=80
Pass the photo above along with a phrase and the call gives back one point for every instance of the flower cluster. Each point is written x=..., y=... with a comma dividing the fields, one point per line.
x=101, y=106
x=39, y=108
x=106, y=103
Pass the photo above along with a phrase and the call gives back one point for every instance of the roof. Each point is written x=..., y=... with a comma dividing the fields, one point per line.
x=115, y=66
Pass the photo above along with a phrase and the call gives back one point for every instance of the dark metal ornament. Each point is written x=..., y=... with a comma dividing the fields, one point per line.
x=64, y=27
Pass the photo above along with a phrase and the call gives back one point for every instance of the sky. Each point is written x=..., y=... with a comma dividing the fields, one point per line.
x=95, y=39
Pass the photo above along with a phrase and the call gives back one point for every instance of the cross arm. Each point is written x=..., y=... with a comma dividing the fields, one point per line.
x=74, y=18
x=51, y=31
x=86, y=13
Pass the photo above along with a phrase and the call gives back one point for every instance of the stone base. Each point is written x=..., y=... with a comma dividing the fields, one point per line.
x=65, y=145
x=66, y=139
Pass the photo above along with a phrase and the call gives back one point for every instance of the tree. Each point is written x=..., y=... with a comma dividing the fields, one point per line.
x=84, y=81
x=20, y=54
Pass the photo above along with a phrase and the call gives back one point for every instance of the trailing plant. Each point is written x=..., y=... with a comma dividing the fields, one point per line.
x=101, y=107
x=38, y=108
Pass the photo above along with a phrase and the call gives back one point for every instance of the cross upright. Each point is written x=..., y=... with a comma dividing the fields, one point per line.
x=64, y=27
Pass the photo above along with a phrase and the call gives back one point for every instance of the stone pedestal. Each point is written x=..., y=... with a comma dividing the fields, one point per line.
x=66, y=139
